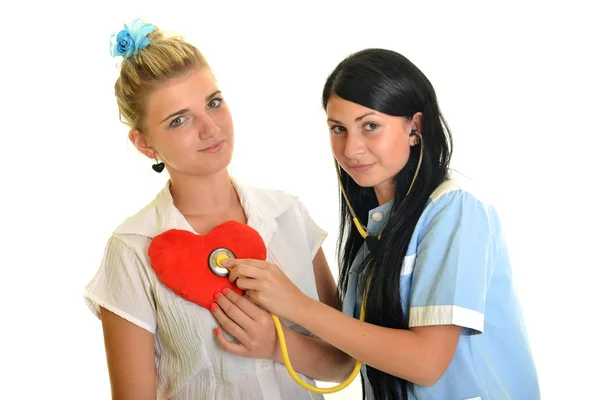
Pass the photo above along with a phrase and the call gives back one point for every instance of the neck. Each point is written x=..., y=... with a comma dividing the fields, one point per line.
x=385, y=191
x=204, y=195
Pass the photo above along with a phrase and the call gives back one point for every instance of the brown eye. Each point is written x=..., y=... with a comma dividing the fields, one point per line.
x=337, y=129
x=371, y=126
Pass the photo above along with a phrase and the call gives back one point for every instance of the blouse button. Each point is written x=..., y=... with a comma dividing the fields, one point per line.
x=377, y=216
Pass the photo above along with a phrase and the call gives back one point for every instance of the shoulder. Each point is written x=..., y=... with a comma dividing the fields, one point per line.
x=151, y=219
x=458, y=201
x=140, y=218
x=458, y=189
x=457, y=185
x=124, y=247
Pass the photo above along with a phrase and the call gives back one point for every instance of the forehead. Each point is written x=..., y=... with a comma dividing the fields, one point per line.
x=182, y=92
x=340, y=109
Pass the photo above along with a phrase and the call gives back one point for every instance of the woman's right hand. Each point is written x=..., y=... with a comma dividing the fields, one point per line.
x=251, y=325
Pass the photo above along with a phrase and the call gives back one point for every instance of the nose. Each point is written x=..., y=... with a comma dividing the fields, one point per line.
x=354, y=145
x=207, y=127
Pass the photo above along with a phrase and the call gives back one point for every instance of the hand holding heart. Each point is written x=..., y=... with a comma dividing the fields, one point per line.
x=180, y=259
x=249, y=324
x=265, y=283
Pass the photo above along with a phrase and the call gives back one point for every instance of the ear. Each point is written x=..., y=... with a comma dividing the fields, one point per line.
x=416, y=121
x=142, y=144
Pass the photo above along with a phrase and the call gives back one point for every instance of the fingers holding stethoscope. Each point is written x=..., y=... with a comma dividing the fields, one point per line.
x=267, y=284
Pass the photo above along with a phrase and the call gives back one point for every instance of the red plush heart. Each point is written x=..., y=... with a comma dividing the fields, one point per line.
x=180, y=259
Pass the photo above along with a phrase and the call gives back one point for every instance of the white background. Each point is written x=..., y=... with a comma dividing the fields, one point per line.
x=518, y=83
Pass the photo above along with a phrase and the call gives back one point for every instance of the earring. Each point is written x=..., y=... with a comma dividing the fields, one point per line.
x=158, y=167
x=413, y=132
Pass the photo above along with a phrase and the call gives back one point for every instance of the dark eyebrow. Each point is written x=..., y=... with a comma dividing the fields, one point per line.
x=355, y=120
x=364, y=115
x=184, y=110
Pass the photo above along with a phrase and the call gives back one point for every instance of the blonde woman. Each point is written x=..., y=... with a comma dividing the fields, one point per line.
x=157, y=343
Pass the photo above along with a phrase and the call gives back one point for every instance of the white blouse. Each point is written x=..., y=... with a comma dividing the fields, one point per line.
x=190, y=364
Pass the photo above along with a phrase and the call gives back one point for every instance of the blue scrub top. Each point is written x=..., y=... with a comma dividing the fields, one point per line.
x=457, y=271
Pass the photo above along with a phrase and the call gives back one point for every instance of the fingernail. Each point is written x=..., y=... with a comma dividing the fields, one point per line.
x=213, y=307
x=217, y=295
x=224, y=262
x=217, y=331
x=224, y=291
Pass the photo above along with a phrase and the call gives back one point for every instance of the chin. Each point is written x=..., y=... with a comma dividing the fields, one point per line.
x=365, y=181
x=373, y=179
x=219, y=164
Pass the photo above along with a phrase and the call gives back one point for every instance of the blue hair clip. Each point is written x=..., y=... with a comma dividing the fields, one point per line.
x=129, y=41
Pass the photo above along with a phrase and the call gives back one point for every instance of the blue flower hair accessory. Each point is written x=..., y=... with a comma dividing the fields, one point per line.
x=129, y=41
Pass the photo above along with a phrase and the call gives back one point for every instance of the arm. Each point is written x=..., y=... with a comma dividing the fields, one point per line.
x=312, y=356
x=309, y=356
x=130, y=358
x=428, y=350
x=425, y=352
x=315, y=358
x=453, y=266
x=420, y=355
x=121, y=296
x=324, y=280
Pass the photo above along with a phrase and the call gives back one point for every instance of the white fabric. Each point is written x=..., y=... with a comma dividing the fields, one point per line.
x=190, y=364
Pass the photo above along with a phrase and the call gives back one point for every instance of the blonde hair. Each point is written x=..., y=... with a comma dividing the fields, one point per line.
x=165, y=58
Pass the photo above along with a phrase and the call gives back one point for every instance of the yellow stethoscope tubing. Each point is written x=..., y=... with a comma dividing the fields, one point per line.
x=286, y=357
x=296, y=378
x=279, y=329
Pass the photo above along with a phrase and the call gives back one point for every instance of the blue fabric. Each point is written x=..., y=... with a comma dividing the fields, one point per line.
x=457, y=271
x=129, y=41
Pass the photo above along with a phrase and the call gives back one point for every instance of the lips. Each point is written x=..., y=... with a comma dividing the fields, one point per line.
x=360, y=167
x=213, y=146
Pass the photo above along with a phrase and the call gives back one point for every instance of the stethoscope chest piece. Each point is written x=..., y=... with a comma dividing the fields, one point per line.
x=215, y=258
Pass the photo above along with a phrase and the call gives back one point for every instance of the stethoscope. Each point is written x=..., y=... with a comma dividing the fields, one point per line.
x=214, y=263
x=220, y=254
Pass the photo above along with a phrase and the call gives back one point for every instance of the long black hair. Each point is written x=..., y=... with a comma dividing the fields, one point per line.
x=388, y=82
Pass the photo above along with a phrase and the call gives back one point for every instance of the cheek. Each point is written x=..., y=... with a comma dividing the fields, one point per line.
x=338, y=146
x=392, y=151
x=225, y=121
x=174, y=144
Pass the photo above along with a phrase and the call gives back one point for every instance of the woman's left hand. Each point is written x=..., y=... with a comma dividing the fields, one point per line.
x=248, y=323
x=266, y=284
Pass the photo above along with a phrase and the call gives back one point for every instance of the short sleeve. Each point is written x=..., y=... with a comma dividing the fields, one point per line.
x=123, y=287
x=315, y=236
x=453, y=265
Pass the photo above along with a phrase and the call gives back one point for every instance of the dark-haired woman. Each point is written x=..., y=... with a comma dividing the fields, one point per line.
x=419, y=248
